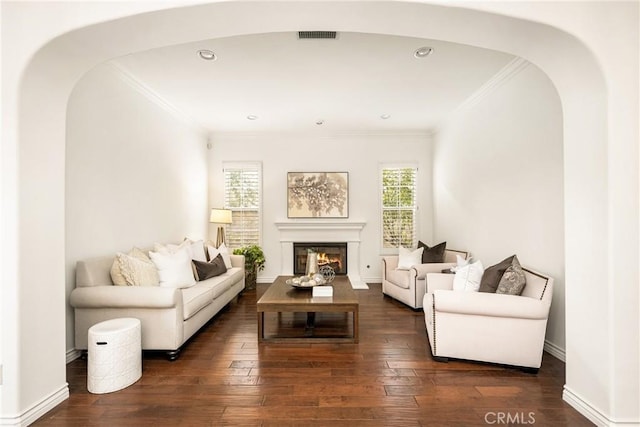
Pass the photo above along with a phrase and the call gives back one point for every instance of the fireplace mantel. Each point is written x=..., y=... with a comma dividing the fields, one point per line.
x=336, y=231
x=322, y=231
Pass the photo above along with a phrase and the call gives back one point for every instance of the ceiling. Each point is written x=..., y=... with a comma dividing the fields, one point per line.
x=290, y=84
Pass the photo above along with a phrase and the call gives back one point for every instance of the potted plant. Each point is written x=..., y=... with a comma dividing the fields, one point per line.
x=253, y=262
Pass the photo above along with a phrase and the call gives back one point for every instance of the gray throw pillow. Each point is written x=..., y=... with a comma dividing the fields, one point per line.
x=434, y=253
x=207, y=270
x=513, y=280
x=492, y=275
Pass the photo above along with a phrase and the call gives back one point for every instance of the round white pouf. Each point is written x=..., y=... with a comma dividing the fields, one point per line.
x=114, y=355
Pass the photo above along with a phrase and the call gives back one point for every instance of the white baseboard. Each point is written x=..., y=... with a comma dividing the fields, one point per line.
x=593, y=414
x=555, y=351
x=73, y=354
x=580, y=405
x=32, y=414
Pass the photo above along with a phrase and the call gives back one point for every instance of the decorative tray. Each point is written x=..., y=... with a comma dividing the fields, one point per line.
x=325, y=276
x=306, y=282
x=305, y=285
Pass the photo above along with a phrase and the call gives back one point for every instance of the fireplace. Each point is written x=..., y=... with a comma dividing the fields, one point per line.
x=290, y=232
x=333, y=254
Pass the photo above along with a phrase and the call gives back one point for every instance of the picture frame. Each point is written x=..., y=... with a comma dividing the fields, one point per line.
x=317, y=194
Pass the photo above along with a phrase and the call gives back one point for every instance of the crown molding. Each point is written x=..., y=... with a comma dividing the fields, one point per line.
x=325, y=135
x=138, y=85
x=506, y=73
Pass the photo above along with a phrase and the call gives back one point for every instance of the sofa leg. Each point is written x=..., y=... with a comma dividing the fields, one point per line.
x=173, y=355
x=533, y=371
x=441, y=359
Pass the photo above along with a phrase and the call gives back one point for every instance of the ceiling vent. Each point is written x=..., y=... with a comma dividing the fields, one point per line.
x=317, y=34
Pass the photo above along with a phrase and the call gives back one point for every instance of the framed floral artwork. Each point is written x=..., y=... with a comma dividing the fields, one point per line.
x=317, y=194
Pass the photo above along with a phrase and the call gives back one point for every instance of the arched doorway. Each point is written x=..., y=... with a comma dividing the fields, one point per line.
x=40, y=135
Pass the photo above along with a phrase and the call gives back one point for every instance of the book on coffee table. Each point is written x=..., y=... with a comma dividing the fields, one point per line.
x=323, y=291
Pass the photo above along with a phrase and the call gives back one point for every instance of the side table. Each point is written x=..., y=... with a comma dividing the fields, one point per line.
x=114, y=355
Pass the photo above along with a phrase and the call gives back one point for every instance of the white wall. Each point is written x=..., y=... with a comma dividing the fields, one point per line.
x=358, y=154
x=498, y=177
x=135, y=174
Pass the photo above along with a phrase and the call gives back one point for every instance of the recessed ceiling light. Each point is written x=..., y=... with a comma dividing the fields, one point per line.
x=207, y=55
x=385, y=116
x=252, y=117
x=422, y=52
x=320, y=122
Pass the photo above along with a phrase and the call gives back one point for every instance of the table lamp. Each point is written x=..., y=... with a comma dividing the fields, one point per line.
x=220, y=216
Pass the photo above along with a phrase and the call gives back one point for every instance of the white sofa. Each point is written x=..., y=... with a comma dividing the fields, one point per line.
x=409, y=286
x=169, y=316
x=488, y=327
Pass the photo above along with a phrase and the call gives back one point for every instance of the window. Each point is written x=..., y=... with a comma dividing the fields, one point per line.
x=242, y=195
x=399, y=206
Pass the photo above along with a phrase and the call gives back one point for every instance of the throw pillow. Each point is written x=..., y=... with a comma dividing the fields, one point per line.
x=460, y=262
x=170, y=248
x=221, y=250
x=116, y=274
x=211, y=250
x=468, y=277
x=174, y=269
x=493, y=274
x=207, y=270
x=408, y=258
x=226, y=255
x=136, y=271
x=197, y=250
x=433, y=254
x=513, y=280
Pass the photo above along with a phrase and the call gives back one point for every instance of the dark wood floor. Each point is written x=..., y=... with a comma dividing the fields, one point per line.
x=389, y=379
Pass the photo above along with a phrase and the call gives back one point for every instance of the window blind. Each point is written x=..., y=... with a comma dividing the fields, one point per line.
x=399, y=206
x=242, y=195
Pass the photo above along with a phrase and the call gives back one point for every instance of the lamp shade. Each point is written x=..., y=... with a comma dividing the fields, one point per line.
x=220, y=216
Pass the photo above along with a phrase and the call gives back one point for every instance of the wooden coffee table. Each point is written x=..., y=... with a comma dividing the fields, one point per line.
x=284, y=298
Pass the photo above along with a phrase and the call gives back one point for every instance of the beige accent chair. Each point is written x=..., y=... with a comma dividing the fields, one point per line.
x=488, y=327
x=409, y=286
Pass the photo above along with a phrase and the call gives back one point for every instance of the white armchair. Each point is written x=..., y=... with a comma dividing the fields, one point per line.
x=409, y=286
x=488, y=327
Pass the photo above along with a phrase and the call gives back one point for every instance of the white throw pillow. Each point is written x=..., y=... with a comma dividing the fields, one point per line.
x=168, y=248
x=212, y=251
x=197, y=250
x=174, y=269
x=460, y=262
x=137, y=271
x=468, y=277
x=116, y=271
x=408, y=258
x=226, y=255
x=221, y=250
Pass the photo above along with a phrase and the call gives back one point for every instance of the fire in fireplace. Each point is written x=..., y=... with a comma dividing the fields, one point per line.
x=329, y=253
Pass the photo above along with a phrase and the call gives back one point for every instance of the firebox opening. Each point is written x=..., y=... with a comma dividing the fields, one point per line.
x=329, y=253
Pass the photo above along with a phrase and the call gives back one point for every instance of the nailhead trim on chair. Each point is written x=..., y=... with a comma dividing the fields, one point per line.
x=546, y=281
x=415, y=287
x=433, y=314
x=433, y=304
